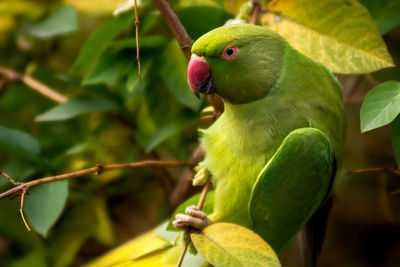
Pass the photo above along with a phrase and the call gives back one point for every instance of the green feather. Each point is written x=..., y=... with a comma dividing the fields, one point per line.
x=291, y=187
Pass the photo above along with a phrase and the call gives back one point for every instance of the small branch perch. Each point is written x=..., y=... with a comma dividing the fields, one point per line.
x=137, y=22
x=34, y=84
x=21, y=208
x=377, y=169
x=256, y=11
x=199, y=206
x=19, y=187
x=176, y=26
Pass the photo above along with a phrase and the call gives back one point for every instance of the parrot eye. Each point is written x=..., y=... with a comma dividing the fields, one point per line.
x=230, y=52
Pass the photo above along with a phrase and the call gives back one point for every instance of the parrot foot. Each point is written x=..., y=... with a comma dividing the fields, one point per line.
x=202, y=175
x=194, y=218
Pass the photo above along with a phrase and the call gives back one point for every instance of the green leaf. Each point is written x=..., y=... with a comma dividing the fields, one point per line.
x=64, y=21
x=190, y=16
x=208, y=207
x=44, y=204
x=99, y=40
x=396, y=139
x=173, y=72
x=381, y=106
x=77, y=225
x=385, y=12
x=109, y=70
x=345, y=39
x=35, y=258
x=133, y=85
x=145, y=42
x=19, y=143
x=75, y=107
x=230, y=245
x=169, y=130
x=103, y=230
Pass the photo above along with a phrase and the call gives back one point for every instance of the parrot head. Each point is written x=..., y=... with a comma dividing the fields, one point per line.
x=239, y=62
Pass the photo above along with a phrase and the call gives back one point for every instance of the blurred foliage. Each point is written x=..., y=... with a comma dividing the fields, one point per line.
x=80, y=50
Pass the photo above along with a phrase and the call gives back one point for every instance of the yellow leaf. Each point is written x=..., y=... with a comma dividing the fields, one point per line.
x=21, y=7
x=226, y=244
x=340, y=34
x=99, y=7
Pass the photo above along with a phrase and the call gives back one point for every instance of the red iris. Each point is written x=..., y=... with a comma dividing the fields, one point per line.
x=230, y=52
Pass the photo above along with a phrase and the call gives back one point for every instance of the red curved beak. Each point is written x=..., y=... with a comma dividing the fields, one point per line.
x=199, y=75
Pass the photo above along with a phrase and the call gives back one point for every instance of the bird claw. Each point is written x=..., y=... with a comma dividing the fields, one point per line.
x=194, y=218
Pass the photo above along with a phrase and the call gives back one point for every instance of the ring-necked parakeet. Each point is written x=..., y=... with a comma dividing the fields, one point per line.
x=273, y=153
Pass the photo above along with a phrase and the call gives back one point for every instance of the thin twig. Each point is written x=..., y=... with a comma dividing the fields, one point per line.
x=98, y=169
x=353, y=100
x=395, y=192
x=199, y=206
x=11, y=180
x=34, y=84
x=256, y=11
x=184, y=187
x=137, y=22
x=21, y=208
x=377, y=169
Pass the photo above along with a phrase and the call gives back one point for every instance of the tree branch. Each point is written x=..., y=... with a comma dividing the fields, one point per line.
x=377, y=169
x=176, y=26
x=200, y=204
x=34, y=84
x=184, y=186
x=98, y=169
x=256, y=11
x=137, y=22
x=185, y=42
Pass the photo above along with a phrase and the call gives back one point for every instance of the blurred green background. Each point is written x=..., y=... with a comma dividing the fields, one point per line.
x=80, y=50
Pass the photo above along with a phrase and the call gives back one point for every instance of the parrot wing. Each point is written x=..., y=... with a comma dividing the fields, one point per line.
x=291, y=187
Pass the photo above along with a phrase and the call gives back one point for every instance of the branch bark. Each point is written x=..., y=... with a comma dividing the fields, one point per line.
x=377, y=169
x=98, y=169
x=256, y=11
x=185, y=42
x=176, y=26
x=34, y=84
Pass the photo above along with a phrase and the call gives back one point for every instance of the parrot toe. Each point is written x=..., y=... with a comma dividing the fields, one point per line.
x=194, y=218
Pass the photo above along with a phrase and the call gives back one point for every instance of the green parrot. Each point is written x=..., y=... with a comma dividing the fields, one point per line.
x=273, y=154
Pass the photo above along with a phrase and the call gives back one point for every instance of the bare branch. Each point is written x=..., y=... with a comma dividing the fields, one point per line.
x=185, y=43
x=377, y=169
x=21, y=208
x=11, y=180
x=98, y=169
x=137, y=22
x=353, y=100
x=176, y=26
x=34, y=84
x=184, y=186
x=256, y=11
